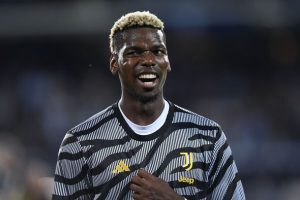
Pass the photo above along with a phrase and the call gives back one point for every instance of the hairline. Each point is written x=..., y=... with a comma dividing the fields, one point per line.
x=120, y=33
x=132, y=20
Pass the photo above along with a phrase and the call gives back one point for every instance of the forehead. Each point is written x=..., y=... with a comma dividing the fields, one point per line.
x=142, y=36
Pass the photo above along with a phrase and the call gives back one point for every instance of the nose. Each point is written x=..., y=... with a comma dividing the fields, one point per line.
x=148, y=59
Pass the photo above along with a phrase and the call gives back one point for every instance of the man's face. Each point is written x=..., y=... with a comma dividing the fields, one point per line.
x=142, y=63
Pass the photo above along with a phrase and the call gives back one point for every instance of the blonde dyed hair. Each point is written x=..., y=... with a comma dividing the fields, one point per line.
x=134, y=19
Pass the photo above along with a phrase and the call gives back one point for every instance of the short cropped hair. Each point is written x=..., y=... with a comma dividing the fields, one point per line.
x=134, y=19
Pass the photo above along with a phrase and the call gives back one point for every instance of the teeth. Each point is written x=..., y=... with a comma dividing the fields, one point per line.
x=147, y=76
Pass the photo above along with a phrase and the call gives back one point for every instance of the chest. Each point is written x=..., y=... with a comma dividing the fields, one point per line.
x=179, y=161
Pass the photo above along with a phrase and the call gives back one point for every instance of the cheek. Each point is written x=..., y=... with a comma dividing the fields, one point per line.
x=165, y=62
x=127, y=62
x=127, y=68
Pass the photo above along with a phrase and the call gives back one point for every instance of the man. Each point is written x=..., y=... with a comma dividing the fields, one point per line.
x=144, y=147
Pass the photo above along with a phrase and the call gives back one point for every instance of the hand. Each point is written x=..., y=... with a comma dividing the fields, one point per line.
x=145, y=186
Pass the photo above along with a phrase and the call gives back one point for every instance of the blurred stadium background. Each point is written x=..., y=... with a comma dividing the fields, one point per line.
x=236, y=62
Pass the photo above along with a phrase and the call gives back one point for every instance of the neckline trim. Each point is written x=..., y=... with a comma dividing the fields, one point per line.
x=132, y=134
x=150, y=128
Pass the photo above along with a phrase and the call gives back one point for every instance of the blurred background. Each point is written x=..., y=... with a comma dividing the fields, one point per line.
x=236, y=62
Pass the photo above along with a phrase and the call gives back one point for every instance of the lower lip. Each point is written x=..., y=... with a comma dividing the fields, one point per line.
x=148, y=84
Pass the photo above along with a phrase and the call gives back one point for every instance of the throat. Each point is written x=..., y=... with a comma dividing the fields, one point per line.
x=144, y=119
x=149, y=128
x=142, y=113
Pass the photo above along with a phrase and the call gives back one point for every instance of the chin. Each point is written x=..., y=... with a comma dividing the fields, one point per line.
x=147, y=98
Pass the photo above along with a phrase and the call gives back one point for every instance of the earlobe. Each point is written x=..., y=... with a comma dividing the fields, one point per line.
x=113, y=64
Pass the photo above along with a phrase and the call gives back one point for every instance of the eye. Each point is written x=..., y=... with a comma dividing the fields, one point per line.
x=132, y=53
x=160, y=52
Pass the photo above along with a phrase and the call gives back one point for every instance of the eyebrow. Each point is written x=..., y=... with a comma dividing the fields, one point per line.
x=158, y=46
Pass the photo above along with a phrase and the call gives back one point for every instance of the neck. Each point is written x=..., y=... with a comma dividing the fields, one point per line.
x=140, y=112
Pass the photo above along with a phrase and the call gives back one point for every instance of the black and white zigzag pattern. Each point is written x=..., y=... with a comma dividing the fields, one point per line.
x=90, y=152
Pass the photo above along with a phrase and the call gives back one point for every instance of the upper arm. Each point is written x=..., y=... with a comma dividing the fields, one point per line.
x=72, y=178
x=224, y=182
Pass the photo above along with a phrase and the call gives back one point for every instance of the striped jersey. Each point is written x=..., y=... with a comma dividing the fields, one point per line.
x=98, y=158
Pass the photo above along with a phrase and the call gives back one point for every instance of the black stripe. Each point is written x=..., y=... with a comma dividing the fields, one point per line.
x=122, y=176
x=201, y=165
x=132, y=168
x=221, y=174
x=173, y=154
x=174, y=184
x=76, y=179
x=56, y=197
x=106, y=143
x=68, y=140
x=70, y=156
x=200, y=136
x=95, y=127
x=202, y=185
x=174, y=127
x=160, y=140
x=73, y=196
x=231, y=188
x=218, y=160
x=113, y=157
x=186, y=125
x=199, y=195
x=106, y=187
x=98, y=144
x=178, y=109
x=124, y=191
x=196, y=165
x=176, y=153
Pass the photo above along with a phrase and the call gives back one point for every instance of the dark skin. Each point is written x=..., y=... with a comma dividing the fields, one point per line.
x=143, y=51
x=146, y=186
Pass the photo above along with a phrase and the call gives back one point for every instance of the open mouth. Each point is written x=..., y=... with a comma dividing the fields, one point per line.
x=147, y=77
x=148, y=80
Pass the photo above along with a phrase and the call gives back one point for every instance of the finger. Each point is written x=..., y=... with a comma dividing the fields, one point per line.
x=144, y=174
x=136, y=189
x=136, y=196
x=138, y=180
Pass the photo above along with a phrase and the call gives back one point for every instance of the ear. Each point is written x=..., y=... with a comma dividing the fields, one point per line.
x=114, y=68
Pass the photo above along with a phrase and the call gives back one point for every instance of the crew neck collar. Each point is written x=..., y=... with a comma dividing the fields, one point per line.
x=151, y=136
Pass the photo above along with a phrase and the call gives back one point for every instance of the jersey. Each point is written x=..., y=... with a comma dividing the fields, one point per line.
x=98, y=158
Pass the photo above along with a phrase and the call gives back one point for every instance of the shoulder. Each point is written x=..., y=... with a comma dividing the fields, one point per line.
x=98, y=118
x=184, y=115
x=195, y=123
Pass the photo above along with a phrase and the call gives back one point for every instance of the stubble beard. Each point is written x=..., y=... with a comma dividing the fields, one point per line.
x=144, y=98
x=147, y=99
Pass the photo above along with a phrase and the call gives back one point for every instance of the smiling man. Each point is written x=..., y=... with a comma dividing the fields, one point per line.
x=145, y=147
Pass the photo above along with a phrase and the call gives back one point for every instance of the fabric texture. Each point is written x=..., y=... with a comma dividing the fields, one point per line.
x=99, y=157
